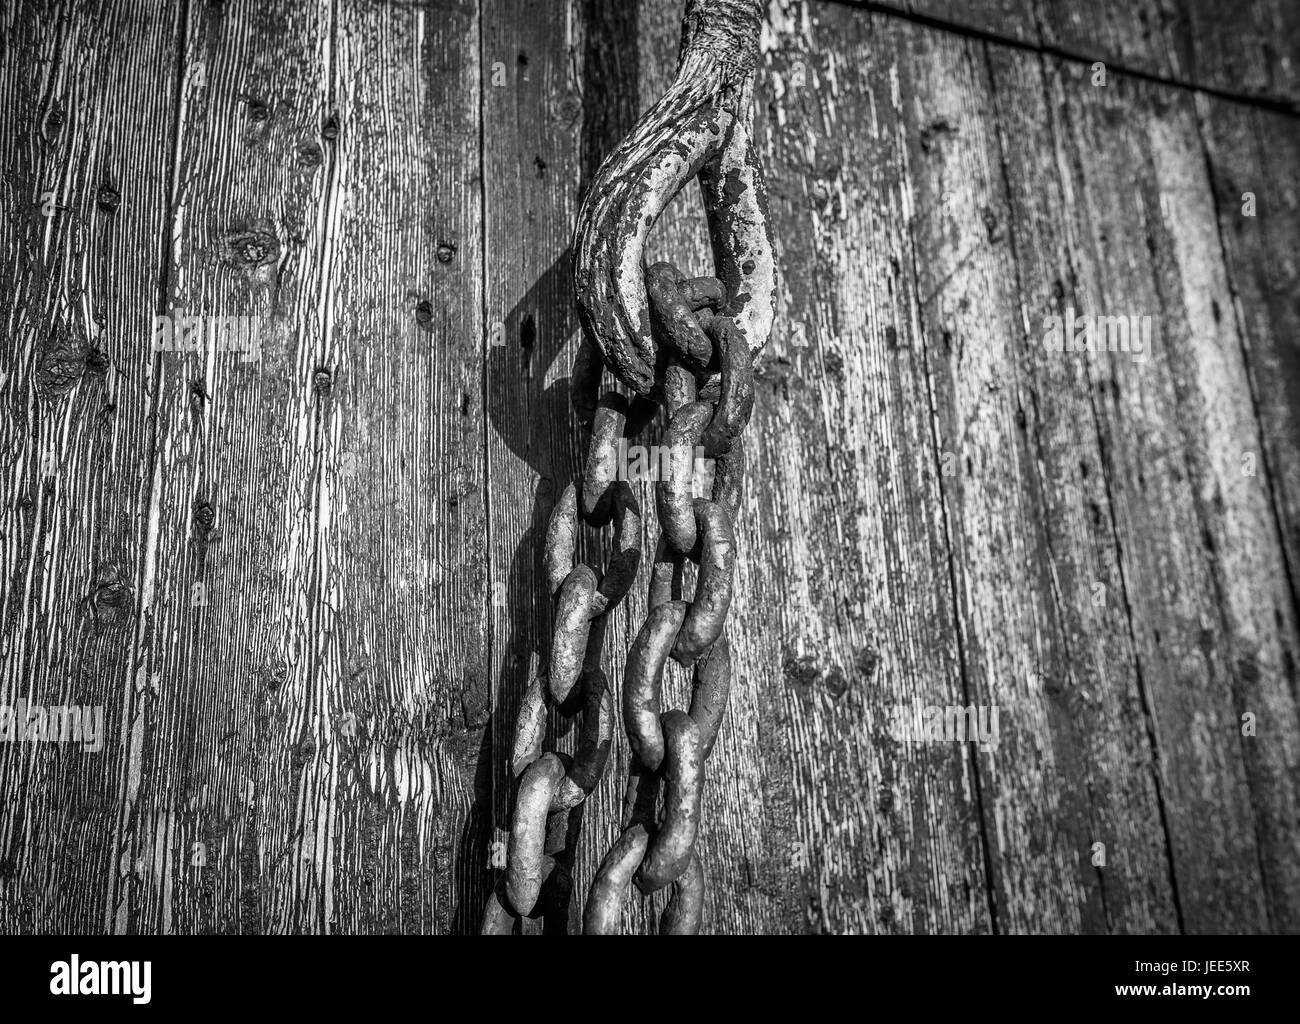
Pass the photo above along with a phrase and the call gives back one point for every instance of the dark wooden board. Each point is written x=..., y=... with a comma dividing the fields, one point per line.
x=1257, y=153
x=1251, y=49
x=1195, y=530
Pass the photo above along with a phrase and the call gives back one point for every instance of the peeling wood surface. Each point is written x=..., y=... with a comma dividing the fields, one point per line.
x=1250, y=49
x=307, y=589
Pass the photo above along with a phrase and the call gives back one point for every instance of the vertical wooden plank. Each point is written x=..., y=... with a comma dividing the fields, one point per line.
x=1256, y=152
x=412, y=662
x=1025, y=499
x=1100, y=692
x=199, y=766
x=848, y=575
x=1252, y=156
x=1214, y=629
x=87, y=97
x=319, y=671
x=1252, y=159
x=1248, y=559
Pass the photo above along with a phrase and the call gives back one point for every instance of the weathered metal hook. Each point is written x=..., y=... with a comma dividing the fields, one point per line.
x=702, y=125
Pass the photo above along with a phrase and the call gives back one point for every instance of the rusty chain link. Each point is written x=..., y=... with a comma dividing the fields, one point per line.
x=686, y=345
x=668, y=748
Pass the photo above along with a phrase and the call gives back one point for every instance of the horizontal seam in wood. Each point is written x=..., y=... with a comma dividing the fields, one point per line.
x=1288, y=108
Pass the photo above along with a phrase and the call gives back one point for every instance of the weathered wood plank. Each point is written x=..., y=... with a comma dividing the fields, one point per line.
x=1024, y=498
x=87, y=98
x=193, y=826
x=1251, y=49
x=320, y=690
x=1010, y=19
x=1214, y=630
x=1248, y=49
x=1247, y=555
x=1142, y=35
x=1100, y=691
x=1253, y=156
x=847, y=495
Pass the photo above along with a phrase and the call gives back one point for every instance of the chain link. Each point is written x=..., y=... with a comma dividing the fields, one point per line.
x=686, y=345
x=665, y=784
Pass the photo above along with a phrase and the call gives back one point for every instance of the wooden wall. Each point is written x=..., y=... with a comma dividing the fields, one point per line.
x=307, y=588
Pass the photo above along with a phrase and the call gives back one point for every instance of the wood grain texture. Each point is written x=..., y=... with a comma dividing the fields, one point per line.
x=1252, y=49
x=1252, y=157
x=1176, y=432
x=79, y=388
x=307, y=588
x=1011, y=19
x=1247, y=152
x=1024, y=500
x=847, y=490
x=1249, y=49
x=577, y=77
x=1149, y=36
x=350, y=155
x=302, y=552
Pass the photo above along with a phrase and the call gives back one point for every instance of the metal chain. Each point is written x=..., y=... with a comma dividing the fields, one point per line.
x=668, y=748
x=687, y=345
x=657, y=846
